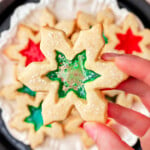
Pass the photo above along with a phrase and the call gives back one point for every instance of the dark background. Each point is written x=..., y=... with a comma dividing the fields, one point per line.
x=139, y=7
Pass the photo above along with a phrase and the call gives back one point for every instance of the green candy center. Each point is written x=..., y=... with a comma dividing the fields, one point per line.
x=111, y=98
x=72, y=74
x=105, y=38
x=36, y=117
x=26, y=90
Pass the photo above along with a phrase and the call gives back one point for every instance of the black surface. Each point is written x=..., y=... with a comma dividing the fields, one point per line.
x=5, y=16
x=139, y=7
x=7, y=142
x=5, y=4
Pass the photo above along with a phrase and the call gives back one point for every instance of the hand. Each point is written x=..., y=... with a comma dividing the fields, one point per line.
x=139, y=124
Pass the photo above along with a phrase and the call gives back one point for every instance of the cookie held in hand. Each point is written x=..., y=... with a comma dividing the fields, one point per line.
x=73, y=75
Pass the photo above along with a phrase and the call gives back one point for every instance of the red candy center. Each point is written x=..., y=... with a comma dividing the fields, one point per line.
x=82, y=124
x=128, y=42
x=32, y=53
x=108, y=121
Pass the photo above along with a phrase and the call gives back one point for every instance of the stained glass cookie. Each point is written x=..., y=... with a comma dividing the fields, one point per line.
x=73, y=76
x=47, y=18
x=38, y=18
x=85, y=21
x=128, y=38
x=28, y=117
x=66, y=66
x=10, y=92
x=121, y=98
x=25, y=48
x=74, y=125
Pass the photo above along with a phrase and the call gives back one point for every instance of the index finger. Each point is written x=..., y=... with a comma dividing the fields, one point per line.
x=131, y=65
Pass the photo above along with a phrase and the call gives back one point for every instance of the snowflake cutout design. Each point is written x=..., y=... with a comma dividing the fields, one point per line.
x=26, y=47
x=29, y=118
x=128, y=38
x=50, y=75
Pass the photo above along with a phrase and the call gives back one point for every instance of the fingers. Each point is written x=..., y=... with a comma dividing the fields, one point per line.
x=131, y=65
x=134, y=121
x=137, y=87
x=145, y=141
x=104, y=137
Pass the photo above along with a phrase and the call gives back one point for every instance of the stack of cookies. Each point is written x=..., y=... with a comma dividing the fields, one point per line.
x=61, y=80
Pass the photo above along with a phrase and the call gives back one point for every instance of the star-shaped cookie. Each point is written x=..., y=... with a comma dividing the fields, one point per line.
x=25, y=49
x=47, y=18
x=121, y=98
x=73, y=76
x=38, y=18
x=106, y=17
x=10, y=92
x=28, y=117
x=128, y=38
x=86, y=21
x=73, y=125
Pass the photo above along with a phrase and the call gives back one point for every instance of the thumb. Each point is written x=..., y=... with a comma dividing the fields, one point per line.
x=145, y=141
x=104, y=137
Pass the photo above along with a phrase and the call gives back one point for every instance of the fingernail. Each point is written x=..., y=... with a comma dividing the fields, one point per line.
x=109, y=56
x=91, y=130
